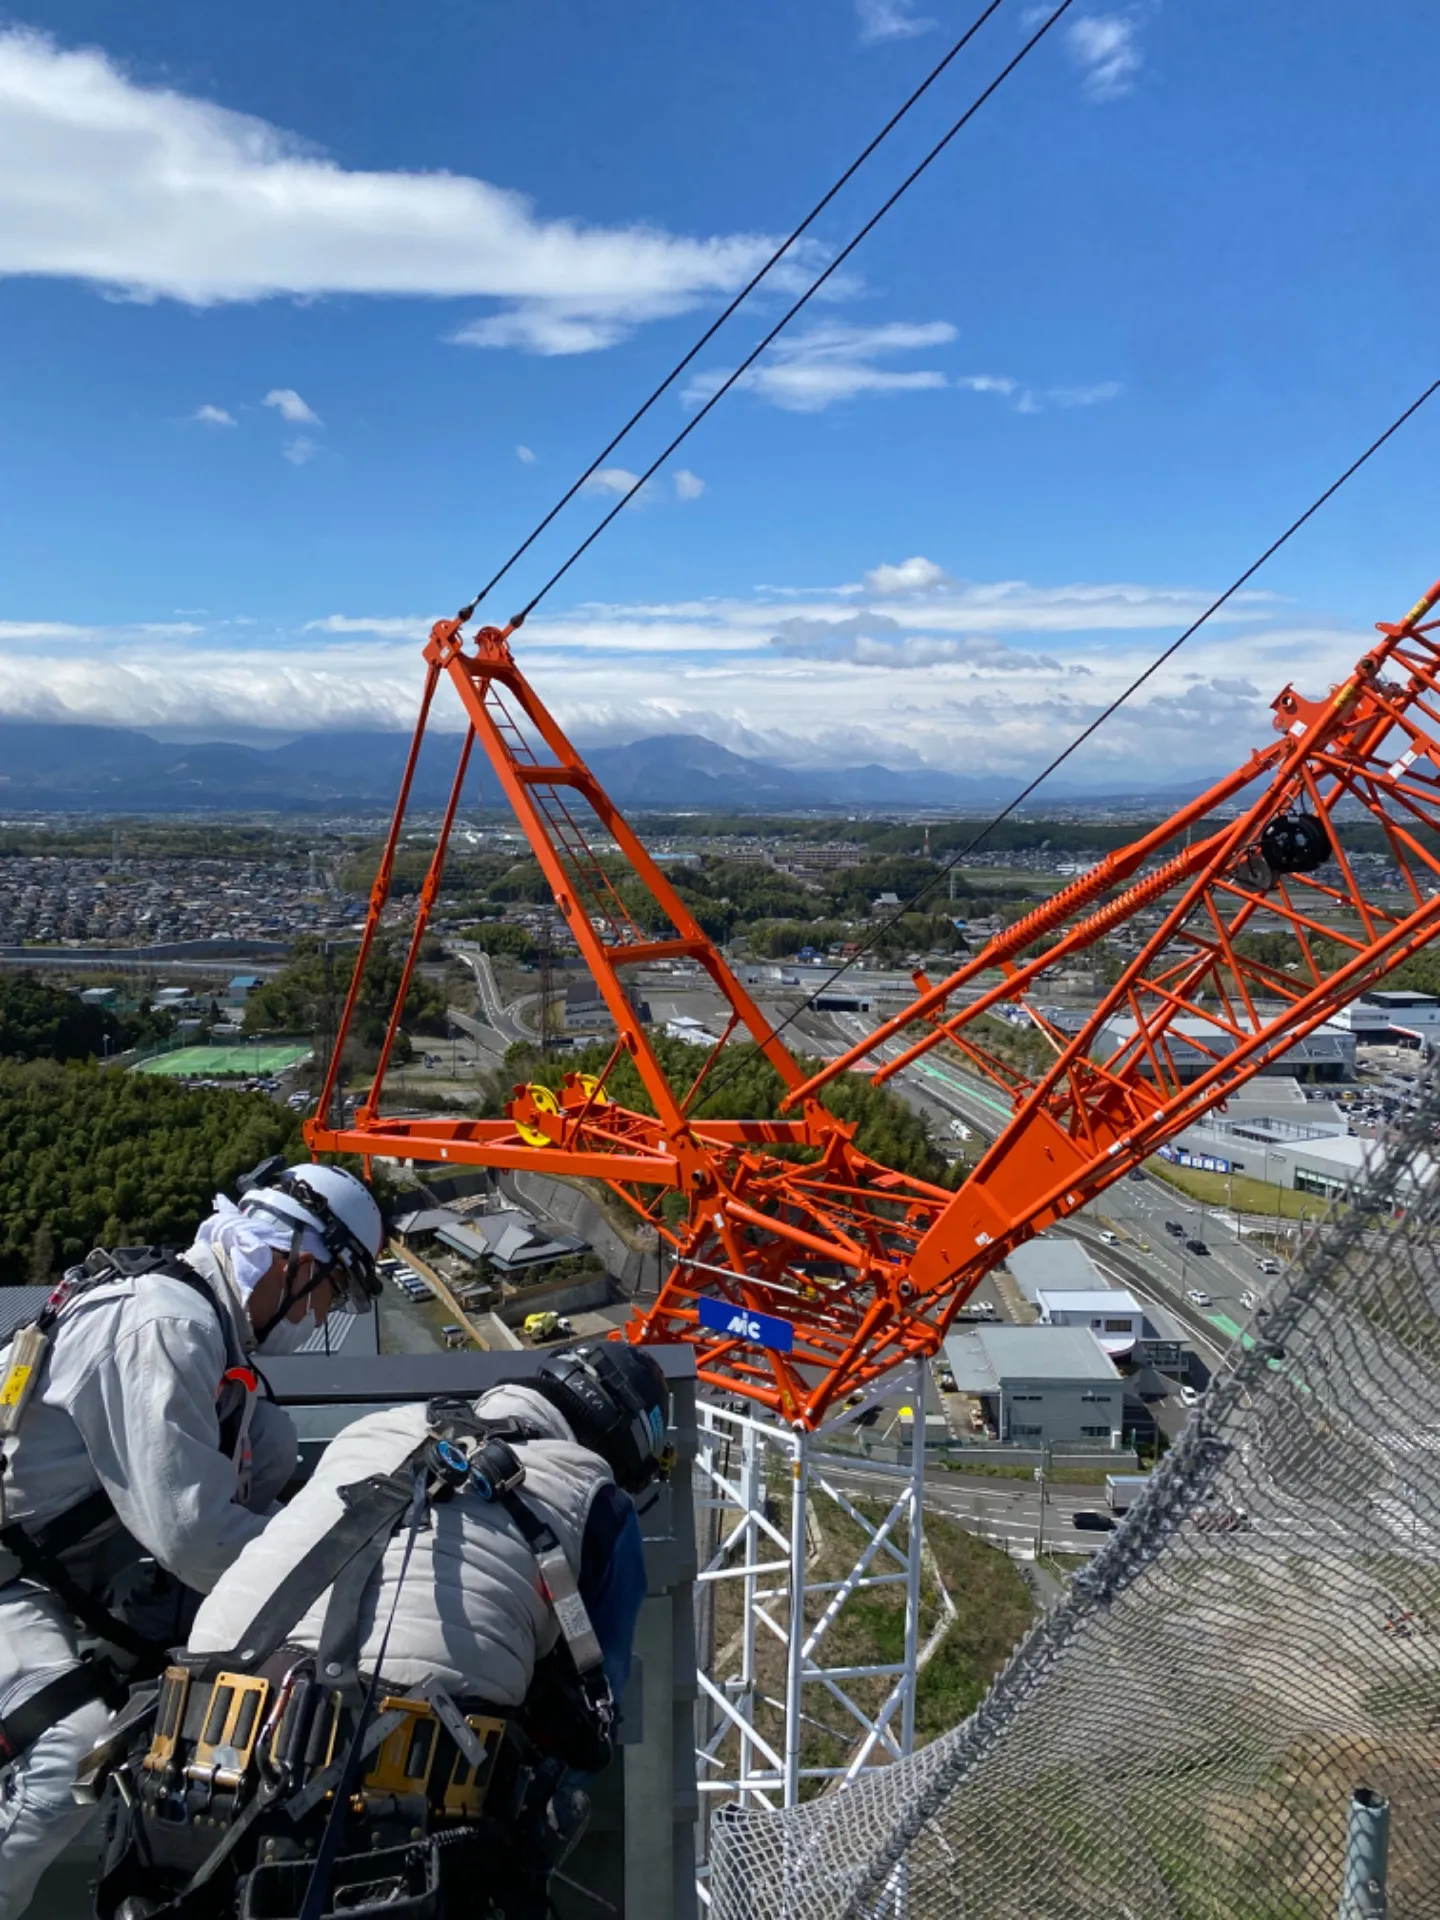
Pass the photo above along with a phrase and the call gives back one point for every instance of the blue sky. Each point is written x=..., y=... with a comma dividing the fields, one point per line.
x=285, y=292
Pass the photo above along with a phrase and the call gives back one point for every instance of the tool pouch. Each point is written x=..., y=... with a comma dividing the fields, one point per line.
x=395, y=1883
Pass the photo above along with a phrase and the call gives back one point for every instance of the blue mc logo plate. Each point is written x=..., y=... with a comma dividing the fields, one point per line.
x=760, y=1329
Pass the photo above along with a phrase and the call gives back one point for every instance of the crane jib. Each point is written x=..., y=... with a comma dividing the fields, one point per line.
x=804, y=1270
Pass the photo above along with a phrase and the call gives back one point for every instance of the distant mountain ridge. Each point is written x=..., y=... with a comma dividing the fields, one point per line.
x=49, y=766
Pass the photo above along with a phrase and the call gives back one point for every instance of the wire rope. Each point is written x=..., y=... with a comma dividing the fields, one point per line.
x=738, y=373
x=743, y=295
x=977, y=840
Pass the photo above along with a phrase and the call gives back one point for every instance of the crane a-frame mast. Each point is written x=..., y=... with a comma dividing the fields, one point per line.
x=865, y=1266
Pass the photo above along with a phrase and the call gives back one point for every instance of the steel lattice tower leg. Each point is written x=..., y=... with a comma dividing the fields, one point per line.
x=771, y=1686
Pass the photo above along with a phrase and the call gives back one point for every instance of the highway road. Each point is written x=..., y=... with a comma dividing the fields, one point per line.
x=1145, y=1255
x=1007, y=1513
x=500, y=1018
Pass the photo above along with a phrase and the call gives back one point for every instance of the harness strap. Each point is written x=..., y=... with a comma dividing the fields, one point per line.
x=22, y=1726
x=373, y=1508
x=46, y=1570
x=561, y=1590
x=75, y=1524
x=338, y=1656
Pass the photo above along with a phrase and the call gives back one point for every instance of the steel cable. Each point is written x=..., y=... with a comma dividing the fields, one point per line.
x=750, y=285
x=977, y=840
x=796, y=306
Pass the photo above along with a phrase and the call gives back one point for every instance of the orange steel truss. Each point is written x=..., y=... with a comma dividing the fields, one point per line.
x=785, y=1216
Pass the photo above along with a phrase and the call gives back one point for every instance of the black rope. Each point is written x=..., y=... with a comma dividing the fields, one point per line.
x=750, y=285
x=790, y=312
x=977, y=840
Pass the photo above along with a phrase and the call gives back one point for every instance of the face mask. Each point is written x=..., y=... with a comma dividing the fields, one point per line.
x=288, y=1336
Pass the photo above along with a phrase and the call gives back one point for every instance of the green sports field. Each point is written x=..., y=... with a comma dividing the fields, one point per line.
x=217, y=1063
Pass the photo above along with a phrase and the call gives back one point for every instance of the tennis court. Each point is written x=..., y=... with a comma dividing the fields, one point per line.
x=252, y=1059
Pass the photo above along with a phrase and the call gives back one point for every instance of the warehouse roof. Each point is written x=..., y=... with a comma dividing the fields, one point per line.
x=989, y=1359
x=1053, y=1263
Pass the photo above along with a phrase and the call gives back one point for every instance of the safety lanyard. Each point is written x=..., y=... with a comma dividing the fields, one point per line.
x=243, y=1454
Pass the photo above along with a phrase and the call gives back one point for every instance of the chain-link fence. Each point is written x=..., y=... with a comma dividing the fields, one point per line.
x=1179, y=1739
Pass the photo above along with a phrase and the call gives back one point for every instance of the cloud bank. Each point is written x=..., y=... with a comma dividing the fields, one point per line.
x=152, y=194
x=906, y=666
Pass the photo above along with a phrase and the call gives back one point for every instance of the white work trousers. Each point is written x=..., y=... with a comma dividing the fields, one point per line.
x=38, y=1818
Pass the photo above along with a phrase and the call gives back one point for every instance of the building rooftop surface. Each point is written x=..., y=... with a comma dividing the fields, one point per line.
x=986, y=1359
x=1055, y=1263
x=1079, y=1300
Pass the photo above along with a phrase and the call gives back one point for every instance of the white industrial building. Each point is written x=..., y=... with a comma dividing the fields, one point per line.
x=1321, y=1163
x=1115, y=1317
x=1041, y=1386
x=1406, y=1012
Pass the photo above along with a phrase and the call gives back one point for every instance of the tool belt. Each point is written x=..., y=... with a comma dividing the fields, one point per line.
x=231, y=1766
x=218, y=1804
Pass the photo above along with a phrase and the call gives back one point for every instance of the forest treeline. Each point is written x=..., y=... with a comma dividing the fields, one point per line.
x=41, y=1022
x=91, y=1158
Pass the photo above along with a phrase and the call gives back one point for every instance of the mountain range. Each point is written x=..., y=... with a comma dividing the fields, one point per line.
x=51, y=767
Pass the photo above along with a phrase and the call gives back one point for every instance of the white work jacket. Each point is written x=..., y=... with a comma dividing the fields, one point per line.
x=127, y=1401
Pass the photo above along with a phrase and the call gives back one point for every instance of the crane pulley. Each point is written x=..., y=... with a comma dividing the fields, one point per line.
x=784, y=1221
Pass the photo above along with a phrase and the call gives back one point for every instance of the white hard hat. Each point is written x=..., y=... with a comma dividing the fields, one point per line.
x=336, y=1206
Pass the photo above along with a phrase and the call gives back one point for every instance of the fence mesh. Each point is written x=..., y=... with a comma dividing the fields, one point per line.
x=1179, y=1738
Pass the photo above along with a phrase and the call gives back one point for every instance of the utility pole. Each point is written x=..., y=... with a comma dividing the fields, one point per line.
x=1040, y=1483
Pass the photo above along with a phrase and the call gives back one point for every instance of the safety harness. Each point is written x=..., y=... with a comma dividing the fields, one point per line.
x=40, y=1551
x=264, y=1734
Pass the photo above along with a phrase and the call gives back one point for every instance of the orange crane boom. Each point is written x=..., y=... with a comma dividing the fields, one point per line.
x=855, y=1267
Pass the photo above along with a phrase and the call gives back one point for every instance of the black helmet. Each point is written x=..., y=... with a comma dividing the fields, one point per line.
x=617, y=1404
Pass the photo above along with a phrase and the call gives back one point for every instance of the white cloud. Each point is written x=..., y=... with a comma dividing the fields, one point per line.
x=911, y=576
x=1090, y=396
x=613, y=481
x=288, y=404
x=301, y=449
x=809, y=371
x=155, y=194
x=1104, y=47
x=688, y=486
x=875, y=639
x=406, y=627
x=889, y=20
x=906, y=666
x=525, y=456
x=209, y=416
x=1033, y=400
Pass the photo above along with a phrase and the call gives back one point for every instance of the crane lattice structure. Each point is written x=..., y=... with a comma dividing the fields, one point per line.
x=785, y=1217
x=809, y=1277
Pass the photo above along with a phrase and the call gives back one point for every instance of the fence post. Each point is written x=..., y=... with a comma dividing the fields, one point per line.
x=1367, y=1857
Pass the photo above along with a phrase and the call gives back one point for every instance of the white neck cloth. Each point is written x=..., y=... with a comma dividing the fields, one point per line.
x=251, y=1242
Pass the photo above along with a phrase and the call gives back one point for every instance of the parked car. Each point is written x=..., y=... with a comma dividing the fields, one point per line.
x=1196, y=1297
x=947, y=1380
x=1189, y=1397
x=1088, y=1522
x=1196, y=1246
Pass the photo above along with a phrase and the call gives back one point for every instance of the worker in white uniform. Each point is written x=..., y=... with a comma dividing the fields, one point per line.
x=512, y=1590
x=137, y=1459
